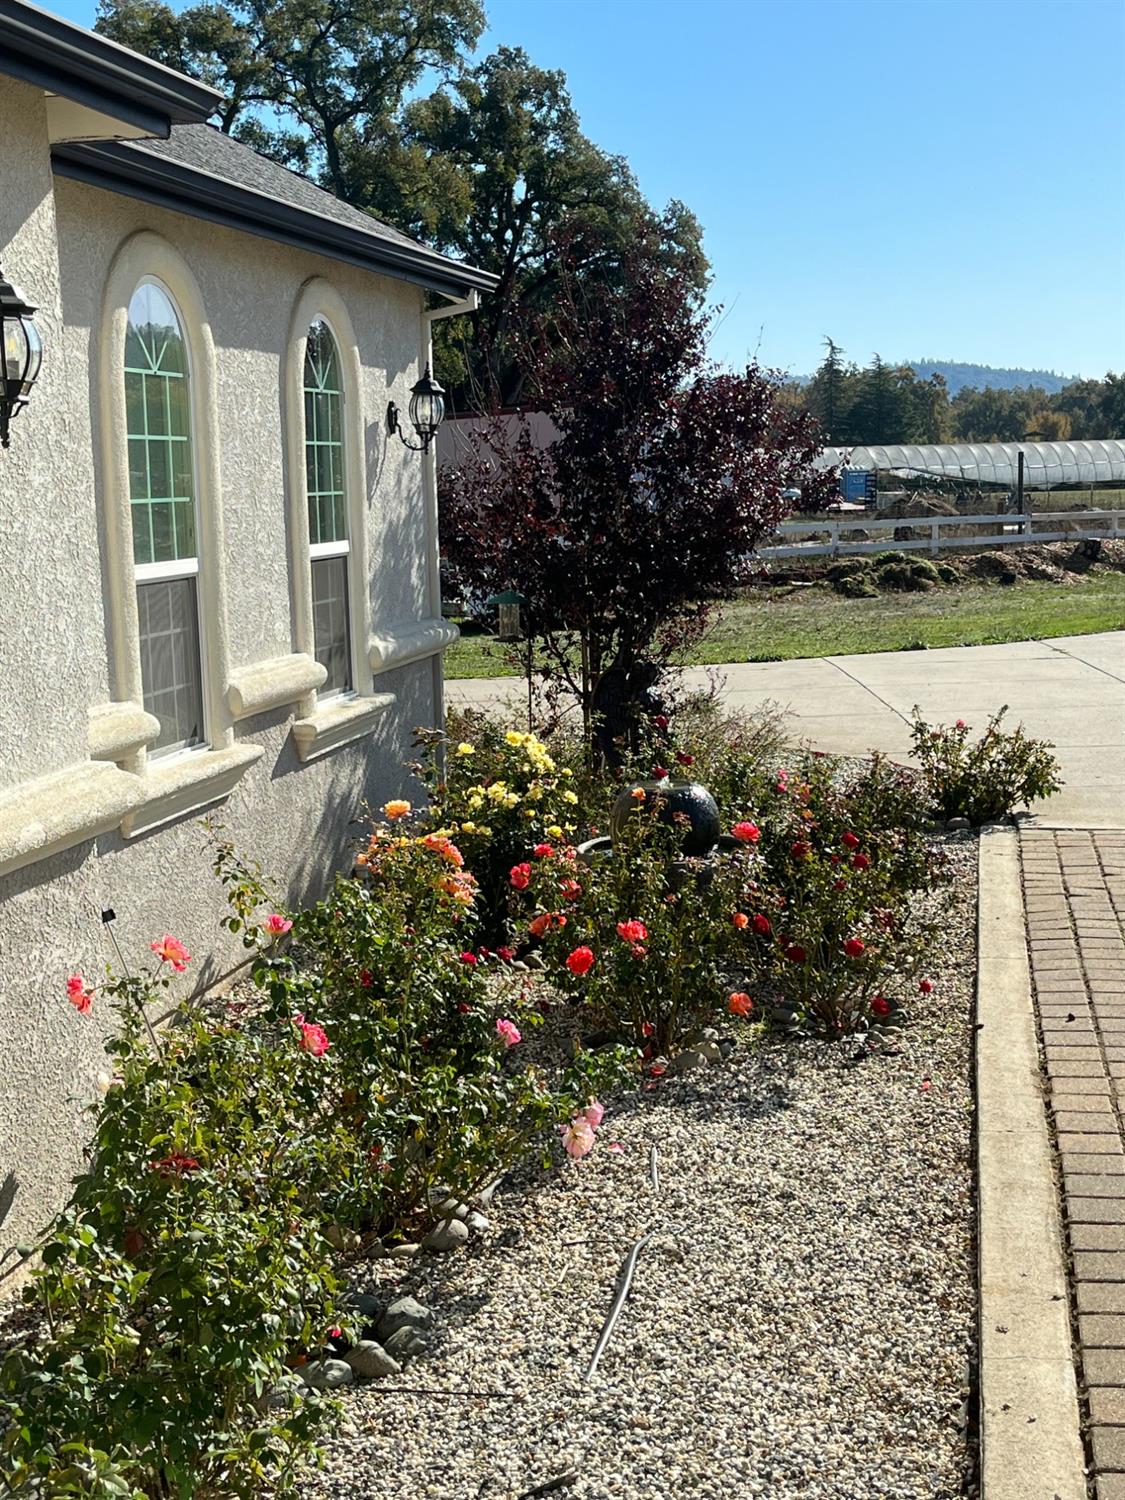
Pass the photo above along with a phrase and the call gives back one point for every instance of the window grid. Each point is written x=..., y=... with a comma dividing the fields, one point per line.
x=324, y=446
x=159, y=434
x=328, y=509
x=162, y=508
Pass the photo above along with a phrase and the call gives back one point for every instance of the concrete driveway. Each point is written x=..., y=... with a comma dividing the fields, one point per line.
x=1070, y=690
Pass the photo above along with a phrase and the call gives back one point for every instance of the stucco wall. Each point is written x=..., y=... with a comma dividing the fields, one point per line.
x=55, y=647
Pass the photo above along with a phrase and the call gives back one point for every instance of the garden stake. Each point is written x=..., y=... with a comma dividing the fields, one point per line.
x=653, y=1168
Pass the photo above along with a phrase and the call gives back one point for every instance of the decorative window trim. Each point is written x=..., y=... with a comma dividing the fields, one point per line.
x=186, y=783
x=273, y=684
x=409, y=640
x=146, y=256
x=118, y=730
x=51, y=813
x=318, y=726
x=338, y=722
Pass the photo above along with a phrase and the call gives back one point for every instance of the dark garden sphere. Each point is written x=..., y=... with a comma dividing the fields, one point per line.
x=669, y=799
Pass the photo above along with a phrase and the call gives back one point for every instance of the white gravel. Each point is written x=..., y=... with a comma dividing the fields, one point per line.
x=803, y=1330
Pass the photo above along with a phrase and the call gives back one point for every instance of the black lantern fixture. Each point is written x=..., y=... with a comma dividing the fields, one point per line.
x=21, y=353
x=427, y=408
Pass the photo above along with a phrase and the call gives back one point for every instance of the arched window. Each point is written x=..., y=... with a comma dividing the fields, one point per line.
x=164, y=521
x=329, y=531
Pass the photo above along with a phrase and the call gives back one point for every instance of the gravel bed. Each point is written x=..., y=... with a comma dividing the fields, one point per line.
x=801, y=1329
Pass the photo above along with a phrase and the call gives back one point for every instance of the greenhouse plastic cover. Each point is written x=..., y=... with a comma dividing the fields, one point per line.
x=1044, y=464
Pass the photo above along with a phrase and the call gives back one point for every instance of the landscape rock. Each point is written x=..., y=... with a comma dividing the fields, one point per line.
x=484, y=1198
x=286, y=1393
x=403, y=1252
x=711, y=1051
x=406, y=1344
x=958, y=825
x=404, y=1312
x=477, y=1222
x=327, y=1374
x=370, y=1360
x=366, y=1305
x=684, y=1061
x=446, y=1234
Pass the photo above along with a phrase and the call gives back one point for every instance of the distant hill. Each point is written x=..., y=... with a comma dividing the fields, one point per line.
x=958, y=375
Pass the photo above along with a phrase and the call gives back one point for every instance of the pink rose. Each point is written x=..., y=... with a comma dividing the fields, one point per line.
x=508, y=1033
x=577, y=1137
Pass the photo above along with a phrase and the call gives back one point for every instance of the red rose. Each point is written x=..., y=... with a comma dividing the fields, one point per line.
x=366, y=978
x=539, y=926
x=684, y=759
x=581, y=961
x=926, y=986
x=570, y=890
x=880, y=1006
x=542, y=851
x=520, y=876
x=661, y=721
x=505, y=955
x=850, y=841
x=660, y=773
x=795, y=953
x=463, y=1008
x=860, y=862
x=800, y=849
x=746, y=833
x=470, y=959
x=647, y=1028
x=740, y=1004
x=853, y=947
x=762, y=925
x=839, y=885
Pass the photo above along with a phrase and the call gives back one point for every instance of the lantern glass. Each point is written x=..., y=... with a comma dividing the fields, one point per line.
x=427, y=406
x=23, y=354
x=34, y=355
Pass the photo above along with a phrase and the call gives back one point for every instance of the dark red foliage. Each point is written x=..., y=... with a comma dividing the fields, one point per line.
x=646, y=509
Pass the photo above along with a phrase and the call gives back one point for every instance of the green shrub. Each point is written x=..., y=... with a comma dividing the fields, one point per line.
x=857, y=586
x=985, y=779
x=187, y=1271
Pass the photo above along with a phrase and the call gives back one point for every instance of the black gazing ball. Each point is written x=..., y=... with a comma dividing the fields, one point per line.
x=671, y=802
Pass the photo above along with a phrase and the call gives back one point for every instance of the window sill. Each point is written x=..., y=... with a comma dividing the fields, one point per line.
x=51, y=813
x=119, y=730
x=273, y=684
x=409, y=640
x=337, y=723
x=187, y=783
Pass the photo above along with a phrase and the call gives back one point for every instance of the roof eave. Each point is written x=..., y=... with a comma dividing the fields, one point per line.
x=60, y=58
x=184, y=189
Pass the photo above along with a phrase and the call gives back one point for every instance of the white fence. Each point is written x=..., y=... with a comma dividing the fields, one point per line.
x=827, y=538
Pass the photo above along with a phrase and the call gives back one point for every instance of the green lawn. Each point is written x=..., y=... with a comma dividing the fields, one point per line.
x=816, y=622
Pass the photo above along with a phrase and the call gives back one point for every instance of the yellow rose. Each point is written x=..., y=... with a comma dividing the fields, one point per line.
x=464, y=748
x=514, y=738
x=571, y=797
x=476, y=803
x=555, y=831
x=468, y=828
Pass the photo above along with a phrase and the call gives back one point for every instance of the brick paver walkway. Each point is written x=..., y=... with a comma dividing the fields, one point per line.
x=1074, y=896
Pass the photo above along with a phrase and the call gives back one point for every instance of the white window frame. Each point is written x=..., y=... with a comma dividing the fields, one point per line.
x=187, y=567
x=181, y=782
x=326, y=719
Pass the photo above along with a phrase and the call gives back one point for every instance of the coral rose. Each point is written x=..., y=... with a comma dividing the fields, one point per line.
x=78, y=994
x=399, y=808
x=746, y=832
x=171, y=951
x=520, y=876
x=740, y=920
x=740, y=1004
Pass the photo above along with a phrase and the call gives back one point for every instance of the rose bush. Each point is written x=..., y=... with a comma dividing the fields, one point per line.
x=499, y=793
x=985, y=779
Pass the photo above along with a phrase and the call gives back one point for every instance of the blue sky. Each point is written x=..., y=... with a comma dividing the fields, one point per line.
x=941, y=178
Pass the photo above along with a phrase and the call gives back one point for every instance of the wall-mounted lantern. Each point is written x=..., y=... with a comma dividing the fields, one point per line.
x=427, y=408
x=21, y=353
